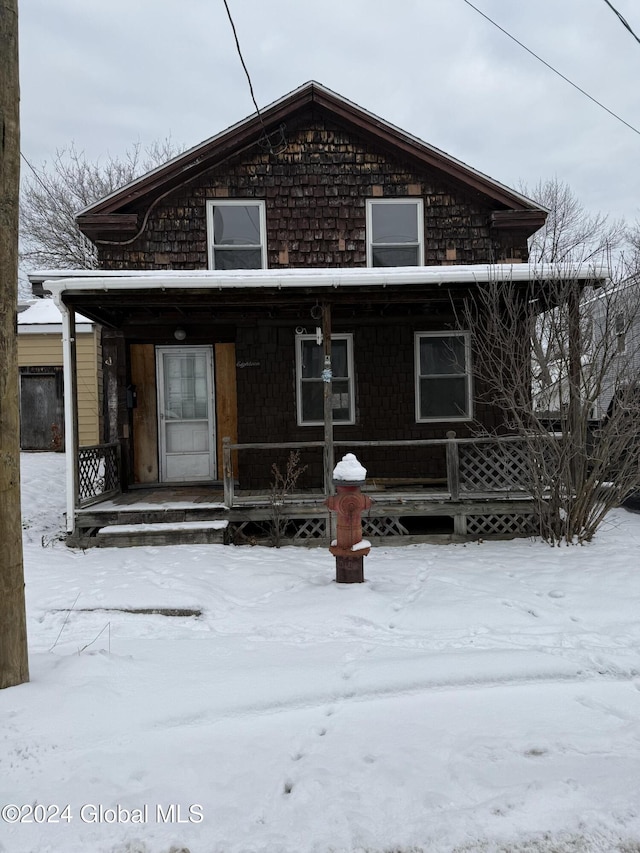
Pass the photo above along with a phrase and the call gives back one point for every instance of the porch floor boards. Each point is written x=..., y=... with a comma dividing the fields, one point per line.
x=185, y=514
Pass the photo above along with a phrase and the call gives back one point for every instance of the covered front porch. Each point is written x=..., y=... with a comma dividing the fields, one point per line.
x=482, y=495
x=213, y=378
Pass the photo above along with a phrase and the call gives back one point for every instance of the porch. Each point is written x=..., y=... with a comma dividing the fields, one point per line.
x=482, y=495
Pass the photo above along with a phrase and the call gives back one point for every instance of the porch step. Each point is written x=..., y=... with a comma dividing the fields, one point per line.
x=162, y=533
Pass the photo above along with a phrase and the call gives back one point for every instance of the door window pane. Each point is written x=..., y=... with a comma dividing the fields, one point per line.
x=185, y=391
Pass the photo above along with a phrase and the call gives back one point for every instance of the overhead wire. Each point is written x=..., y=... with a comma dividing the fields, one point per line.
x=266, y=139
x=244, y=65
x=624, y=22
x=40, y=181
x=555, y=70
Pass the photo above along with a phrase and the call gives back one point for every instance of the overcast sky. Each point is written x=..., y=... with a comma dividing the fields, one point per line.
x=107, y=74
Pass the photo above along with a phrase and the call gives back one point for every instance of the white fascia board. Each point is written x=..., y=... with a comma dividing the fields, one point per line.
x=332, y=278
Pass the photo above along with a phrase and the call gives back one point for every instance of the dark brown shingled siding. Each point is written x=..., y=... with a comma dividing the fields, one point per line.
x=315, y=194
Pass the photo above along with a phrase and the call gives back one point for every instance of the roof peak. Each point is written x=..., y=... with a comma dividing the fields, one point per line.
x=143, y=191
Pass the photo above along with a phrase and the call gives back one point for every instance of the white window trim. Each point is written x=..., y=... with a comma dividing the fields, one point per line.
x=344, y=336
x=468, y=374
x=621, y=333
x=246, y=202
x=400, y=200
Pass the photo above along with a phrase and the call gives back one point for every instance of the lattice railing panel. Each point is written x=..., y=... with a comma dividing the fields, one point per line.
x=493, y=467
x=98, y=472
x=515, y=524
x=311, y=528
x=383, y=526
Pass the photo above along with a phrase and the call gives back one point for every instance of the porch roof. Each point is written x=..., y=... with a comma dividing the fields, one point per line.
x=119, y=298
x=87, y=281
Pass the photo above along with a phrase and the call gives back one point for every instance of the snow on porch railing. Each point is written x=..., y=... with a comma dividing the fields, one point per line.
x=98, y=473
x=474, y=466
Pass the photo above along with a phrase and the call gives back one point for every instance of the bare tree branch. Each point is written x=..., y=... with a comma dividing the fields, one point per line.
x=571, y=233
x=591, y=341
x=51, y=198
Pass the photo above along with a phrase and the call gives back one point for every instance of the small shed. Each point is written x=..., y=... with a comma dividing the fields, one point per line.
x=41, y=378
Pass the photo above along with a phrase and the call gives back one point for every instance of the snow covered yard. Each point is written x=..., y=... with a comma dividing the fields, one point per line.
x=466, y=698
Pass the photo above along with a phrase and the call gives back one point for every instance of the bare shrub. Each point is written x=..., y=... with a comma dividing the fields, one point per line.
x=281, y=486
x=561, y=360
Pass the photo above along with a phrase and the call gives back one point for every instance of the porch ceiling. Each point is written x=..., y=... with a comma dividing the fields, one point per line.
x=119, y=310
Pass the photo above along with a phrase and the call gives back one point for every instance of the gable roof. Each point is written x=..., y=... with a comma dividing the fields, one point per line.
x=119, y=210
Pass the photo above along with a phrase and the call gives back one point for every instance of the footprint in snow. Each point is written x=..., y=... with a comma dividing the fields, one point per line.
x=556, y=593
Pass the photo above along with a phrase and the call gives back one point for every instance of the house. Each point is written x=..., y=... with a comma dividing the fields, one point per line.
x=41, y=378
x=295, y=282
x=610, y=352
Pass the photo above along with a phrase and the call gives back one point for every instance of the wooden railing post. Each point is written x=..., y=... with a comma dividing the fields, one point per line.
x=227, y=465
x=328, y=453
x=453, y=466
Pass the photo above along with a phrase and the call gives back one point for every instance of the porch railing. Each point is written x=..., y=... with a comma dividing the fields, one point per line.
x=98, y=473
x=482, y=465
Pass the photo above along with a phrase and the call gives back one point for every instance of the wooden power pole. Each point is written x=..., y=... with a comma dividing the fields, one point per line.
x=14, y=665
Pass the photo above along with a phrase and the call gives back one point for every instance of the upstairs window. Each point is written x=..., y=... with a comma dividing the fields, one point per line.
x=395, y=233
x=236, y=235
x=443, y=376
x=310, y=387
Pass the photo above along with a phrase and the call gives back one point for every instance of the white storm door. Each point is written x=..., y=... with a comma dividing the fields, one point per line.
x=186, y=414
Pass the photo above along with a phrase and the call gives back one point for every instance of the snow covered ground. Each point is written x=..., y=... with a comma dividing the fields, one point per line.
x=471, y=698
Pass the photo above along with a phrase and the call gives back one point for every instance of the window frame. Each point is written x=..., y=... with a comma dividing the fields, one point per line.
x=237, y=202
x=419, y=204
x=339, y=336
x=468, y=375
x=620, y=333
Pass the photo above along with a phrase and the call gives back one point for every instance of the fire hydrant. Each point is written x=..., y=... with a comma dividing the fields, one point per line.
x=349, y=548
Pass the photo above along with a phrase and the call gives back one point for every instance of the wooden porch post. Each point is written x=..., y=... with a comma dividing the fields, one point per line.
x=227, y=467
x=70, y=409
x=577, y=424
x=453, y=466
x=74, y=397
x=328, y=454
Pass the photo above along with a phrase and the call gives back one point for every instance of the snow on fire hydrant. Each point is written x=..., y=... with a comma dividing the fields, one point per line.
x=349, y=548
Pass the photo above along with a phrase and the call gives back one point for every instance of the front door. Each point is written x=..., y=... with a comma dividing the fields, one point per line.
x=186, y=414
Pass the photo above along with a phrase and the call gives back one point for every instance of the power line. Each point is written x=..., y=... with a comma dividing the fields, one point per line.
x=41, y=182
x=624, y=23
x=275, y=142
x=555, y=70
x=246, y=70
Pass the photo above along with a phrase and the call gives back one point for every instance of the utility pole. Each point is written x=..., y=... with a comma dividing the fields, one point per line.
x=14, y=664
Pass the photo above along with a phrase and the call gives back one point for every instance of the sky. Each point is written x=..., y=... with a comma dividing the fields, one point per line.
x=107, y=75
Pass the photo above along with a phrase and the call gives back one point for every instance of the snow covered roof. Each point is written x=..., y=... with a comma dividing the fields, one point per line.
x=60, y=281
x=43, y=316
